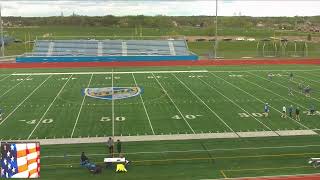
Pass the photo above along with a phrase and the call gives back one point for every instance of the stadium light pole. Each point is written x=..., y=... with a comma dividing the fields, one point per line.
x=216, y=33
x=1, y=35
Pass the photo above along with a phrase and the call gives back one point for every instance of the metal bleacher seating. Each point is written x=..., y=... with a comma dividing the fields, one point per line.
x=110, y=48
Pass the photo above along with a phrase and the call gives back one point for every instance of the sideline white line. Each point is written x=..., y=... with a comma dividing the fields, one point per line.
x=174, y=104
x=236, y=105
x=24, y=100
x=145, y=110
x=195, y=150
x=119, y=72
x=254, y=97
x=45, y=113
x=148, y=72
x=205, y=104
x=283, y=98
x=172, y=137
x=268, y=70
x=83, y=99
x=13, y=87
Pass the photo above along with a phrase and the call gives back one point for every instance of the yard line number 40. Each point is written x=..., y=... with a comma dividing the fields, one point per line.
x=34, y=121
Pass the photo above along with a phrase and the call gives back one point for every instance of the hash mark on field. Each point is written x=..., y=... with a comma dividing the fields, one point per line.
x=12, y=88
x=24, y=100
x=45, y=113
x=144, y=106
x=83, y=99
x=174, y=104
x=205, y=104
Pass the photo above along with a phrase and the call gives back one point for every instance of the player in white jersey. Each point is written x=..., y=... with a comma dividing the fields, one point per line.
x=284, y=112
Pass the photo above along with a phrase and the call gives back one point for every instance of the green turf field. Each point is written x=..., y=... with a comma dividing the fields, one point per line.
x=212, y=100
x=194, y=160
x=198, y=101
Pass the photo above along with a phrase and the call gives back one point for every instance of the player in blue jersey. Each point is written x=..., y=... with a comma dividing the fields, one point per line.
x=266, y=110
x=312, y=110
x=290, y=111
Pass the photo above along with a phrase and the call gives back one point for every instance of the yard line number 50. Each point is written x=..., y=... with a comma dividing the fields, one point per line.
x=118, y=118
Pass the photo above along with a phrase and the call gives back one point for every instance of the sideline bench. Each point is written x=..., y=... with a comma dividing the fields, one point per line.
x=315, y=162
x=114, y=160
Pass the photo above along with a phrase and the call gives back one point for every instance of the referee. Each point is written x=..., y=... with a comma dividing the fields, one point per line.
x=110, y=145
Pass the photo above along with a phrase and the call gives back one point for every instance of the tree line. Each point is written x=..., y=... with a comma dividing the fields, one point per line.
x=158, y=21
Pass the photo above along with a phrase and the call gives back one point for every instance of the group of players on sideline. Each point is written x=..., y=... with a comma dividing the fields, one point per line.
x=94, y=168
x=306, y=90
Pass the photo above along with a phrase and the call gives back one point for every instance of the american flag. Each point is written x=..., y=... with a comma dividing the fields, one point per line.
x=20, y=160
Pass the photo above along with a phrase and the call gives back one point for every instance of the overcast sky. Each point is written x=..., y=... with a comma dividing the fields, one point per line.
x=160, y=7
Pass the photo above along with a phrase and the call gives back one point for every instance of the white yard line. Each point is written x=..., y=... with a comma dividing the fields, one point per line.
x=83, y=99
x=281, y=97
x=283, y=85
x=45, y=113
x=205, y=104
x=6, y=77
x=194, y=150
x=255, y=98
x=236, y=104
x=112, y=101
x=144, y=107
x=119, y=72
x=24, y=100
x=13, y=87
x=174, y=104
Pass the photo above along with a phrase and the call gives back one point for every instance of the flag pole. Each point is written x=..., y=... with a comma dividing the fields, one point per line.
x=1, y=33
x=216, y=33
